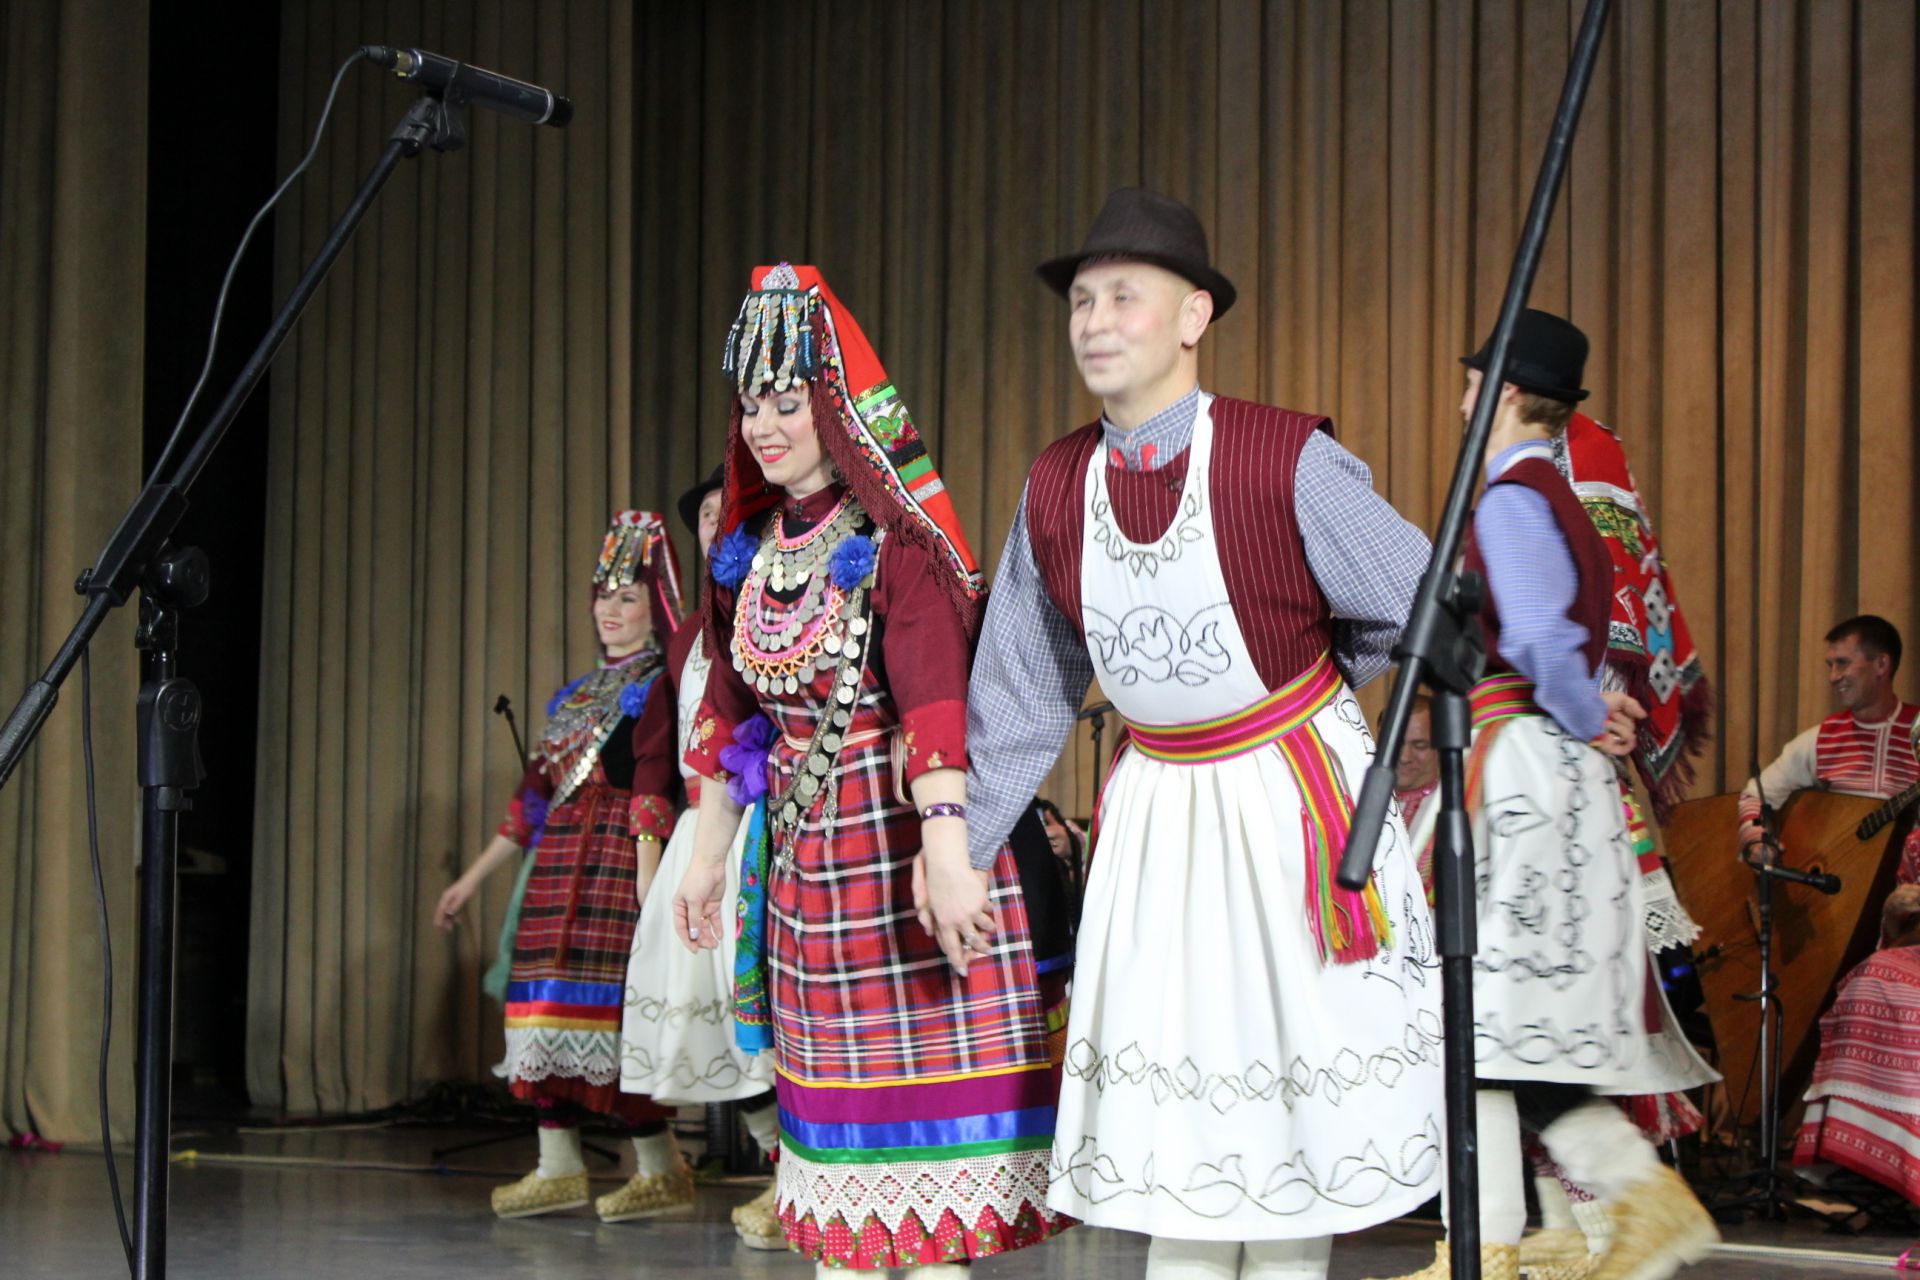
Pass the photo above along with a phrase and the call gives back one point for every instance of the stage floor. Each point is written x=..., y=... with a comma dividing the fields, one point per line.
x=369, y=1203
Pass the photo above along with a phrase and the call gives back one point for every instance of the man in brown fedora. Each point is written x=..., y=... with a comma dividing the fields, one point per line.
x=1252, y=1059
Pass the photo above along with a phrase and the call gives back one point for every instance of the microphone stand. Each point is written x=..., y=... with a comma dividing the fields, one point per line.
x=139, y=555
x=503, y=706
x=1767, y=868
x=1097, y=714
x=1441, y=647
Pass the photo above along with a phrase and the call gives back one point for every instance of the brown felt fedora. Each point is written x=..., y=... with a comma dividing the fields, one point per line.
x=1145, y=226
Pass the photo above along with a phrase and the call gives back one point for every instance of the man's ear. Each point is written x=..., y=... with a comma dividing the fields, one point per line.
x=1196, y=313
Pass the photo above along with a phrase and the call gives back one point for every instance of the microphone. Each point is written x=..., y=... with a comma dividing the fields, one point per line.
x=459, y=82
x=1818, y=880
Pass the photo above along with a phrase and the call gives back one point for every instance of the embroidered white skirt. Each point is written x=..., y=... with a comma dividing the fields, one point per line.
x=1221, y=1083
x=1537, y=886
x=676, y=1030
x=1561, y=986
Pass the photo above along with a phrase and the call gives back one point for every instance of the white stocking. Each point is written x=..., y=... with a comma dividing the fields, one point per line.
x=1556, y=1209
x=560, y=1153
x=1503, y=1189
x=1287, y=1259
x=1171, y=1259
x=655, y=1154
x=1598, y=1148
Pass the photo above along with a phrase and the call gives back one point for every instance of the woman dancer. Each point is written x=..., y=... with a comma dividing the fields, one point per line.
x=677, y=1036
x=594, y=807
x=894, y=983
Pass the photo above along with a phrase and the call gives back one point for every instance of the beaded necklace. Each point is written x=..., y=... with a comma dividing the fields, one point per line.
x=785, y=644
x=586, y=714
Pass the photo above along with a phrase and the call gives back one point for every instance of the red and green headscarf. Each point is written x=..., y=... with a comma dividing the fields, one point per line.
x=791, y=330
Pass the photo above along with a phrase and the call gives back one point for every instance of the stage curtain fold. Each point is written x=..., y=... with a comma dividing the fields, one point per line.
x=73, y=199
x=524, y=337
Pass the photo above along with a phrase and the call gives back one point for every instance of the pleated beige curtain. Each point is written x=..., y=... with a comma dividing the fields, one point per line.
x=73, y=198
x=524, y=337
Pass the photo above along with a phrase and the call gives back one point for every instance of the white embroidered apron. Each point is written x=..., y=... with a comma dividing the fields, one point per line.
x=676, y=1029
x=1221, y=1081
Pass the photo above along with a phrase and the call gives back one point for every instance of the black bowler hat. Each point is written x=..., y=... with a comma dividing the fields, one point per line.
x=1145, y=226
x=690, y=500
x=1547, y=356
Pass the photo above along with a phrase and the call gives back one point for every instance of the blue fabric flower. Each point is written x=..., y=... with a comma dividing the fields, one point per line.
x=633, y=698
x=852, y=561
x=533, y=808
x=746, y=759
x=566, y=691
x=732, y=557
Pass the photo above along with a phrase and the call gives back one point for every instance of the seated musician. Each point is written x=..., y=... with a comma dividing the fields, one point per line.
x=1863, y=1108
x=1867, y=748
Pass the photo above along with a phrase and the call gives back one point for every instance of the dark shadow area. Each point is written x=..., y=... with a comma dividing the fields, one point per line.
x=213, y=93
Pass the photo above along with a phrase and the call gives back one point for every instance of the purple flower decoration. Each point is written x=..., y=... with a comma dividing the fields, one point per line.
x=732, y=557
x=533, y=808
x=633, y=698
x=852, y=561
x=566, y=690
x=746, y=759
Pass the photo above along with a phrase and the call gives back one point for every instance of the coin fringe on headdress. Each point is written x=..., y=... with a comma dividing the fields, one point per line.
x=771, y=344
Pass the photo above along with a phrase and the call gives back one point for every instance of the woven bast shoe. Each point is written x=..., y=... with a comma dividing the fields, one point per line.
x=1557, y=1253
x=757, y=1223
x=534, y=1195
x=1658, y=1227
x=647, y=1194
x=1497, y=1262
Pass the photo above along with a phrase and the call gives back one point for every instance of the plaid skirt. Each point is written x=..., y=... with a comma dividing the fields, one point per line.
x=916, y=1106
x=570, y=958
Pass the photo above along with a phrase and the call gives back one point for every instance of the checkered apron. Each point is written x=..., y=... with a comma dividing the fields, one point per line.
x=570, y=955
x=916, y=1106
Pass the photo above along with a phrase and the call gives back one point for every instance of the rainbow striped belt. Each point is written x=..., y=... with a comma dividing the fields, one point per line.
x=1347, y=926
x=1501, y=697
x=1497, y=699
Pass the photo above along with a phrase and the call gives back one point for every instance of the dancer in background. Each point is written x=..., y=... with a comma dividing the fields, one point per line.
x=677, y=1033
x=1565, y=1004
x=595, y=806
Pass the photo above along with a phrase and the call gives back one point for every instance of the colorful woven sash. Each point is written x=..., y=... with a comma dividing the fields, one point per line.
x=1499, y=698
x=752, y=1015
x=1347, y=926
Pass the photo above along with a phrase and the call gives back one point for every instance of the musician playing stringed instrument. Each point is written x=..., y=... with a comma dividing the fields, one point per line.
x=1866, y=748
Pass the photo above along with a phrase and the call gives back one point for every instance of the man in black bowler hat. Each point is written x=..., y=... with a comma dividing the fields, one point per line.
x=1252, y=1058
x=1566, y=1007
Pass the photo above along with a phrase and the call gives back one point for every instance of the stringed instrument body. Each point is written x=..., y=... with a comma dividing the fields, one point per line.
x=1817, y=938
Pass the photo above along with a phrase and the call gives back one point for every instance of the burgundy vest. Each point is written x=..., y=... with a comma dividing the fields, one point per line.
x=1256, y=450
x=1592, y=606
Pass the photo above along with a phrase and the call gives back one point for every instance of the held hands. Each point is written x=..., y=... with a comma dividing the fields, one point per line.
x=951, y=899
x=696, y=904
x=1623, y=714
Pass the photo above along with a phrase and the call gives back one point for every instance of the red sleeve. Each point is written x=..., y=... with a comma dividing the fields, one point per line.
x=924, y=645
x=728, y=700
x=650, y=811
x=518, y=826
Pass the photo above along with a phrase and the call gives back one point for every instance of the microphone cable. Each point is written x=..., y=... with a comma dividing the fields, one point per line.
x=220, y=304
x=106, y=947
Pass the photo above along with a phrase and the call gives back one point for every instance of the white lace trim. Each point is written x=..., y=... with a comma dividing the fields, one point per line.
x=1009, y=1184
x=537, y=1053
x=1668, y=924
